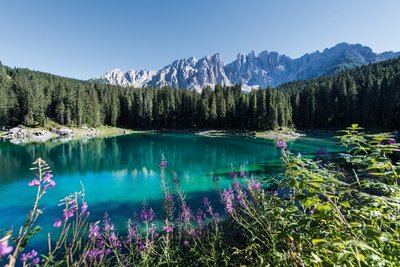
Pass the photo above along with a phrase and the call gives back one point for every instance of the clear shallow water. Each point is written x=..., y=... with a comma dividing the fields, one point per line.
x=121, y=174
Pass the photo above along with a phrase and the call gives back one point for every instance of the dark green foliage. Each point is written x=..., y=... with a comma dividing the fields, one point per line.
x=369, y=95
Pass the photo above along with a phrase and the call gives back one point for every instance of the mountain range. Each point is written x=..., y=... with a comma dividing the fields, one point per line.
x=250, y=70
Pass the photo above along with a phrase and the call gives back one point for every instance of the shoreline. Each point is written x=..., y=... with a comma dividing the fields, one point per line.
x=64, y=134
x=283, y=134
x=25, y=135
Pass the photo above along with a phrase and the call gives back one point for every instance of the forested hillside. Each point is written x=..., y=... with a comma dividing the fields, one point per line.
x=369, y=95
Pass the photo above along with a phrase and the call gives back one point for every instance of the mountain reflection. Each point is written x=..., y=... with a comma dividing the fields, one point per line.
x=132, y=154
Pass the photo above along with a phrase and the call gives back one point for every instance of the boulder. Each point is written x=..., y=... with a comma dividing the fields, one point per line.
x=19, y=135
x=63, y=131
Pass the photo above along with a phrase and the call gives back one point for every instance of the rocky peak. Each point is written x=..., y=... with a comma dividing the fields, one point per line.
x=250, y=70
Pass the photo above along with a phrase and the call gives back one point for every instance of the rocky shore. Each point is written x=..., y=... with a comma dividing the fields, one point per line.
x=20, y=135
x=227, y=132
x=285, y=135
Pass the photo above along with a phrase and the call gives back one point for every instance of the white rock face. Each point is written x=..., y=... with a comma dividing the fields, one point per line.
x=250, y=70
x=135, y=78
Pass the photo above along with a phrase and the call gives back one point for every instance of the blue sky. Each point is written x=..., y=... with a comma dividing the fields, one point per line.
x=84, y=39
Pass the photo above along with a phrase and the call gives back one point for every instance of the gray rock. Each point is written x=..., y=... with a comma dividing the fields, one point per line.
x=19, y=135
x=63, y=131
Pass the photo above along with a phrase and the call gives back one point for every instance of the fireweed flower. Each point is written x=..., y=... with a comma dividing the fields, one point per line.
x=210, y=209
x=46, y=180
x=107, y=224
x=228, y=198
x=142, y=245
x=388, y=142
x=95, y=253
x=163, y=163
x=29, y=257
x=84, y=209
x=168, y=229
x=47, y=177
x=4, y=247
x=94, y=230
x=132, y=229
x=200, y=217
x=71, y=205
x=254, y=185
x=35, y=261
x=114, y=241
x=147, y=215
x=186, y=243
x=281, y=144
x=186, y=214
x=208, y=206
x=240, y=194
x=34, y=182
x=57, y=223
x=68, y=213
x=52, y=184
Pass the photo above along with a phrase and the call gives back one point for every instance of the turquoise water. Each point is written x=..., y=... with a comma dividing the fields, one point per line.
x=121, y=174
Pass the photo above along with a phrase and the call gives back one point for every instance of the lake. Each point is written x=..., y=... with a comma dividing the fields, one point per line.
x=121, y=174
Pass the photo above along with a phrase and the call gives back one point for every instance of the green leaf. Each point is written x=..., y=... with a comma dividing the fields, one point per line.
x=317, y=259
x=317, y=241
x=345, y=204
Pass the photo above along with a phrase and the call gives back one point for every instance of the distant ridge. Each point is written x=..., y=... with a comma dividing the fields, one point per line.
x=250, y=70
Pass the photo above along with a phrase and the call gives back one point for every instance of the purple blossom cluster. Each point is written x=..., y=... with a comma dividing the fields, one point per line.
x=132, y=232
x=240, y=194
x=210, y=209
x=105, y=241
x=46, y=181
x=281, y=144
x=94, y=230
x=4, y=247
x=163, y=164
x=29, y=258
x=147, y=216
x=114, y=241
x=95, y=253
x=110, y=234
x=253, y=185
x=71, y=208
x=389, y=141
x=57, y=223
x=228, y=198
x=168, y=229
x=186, y=213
